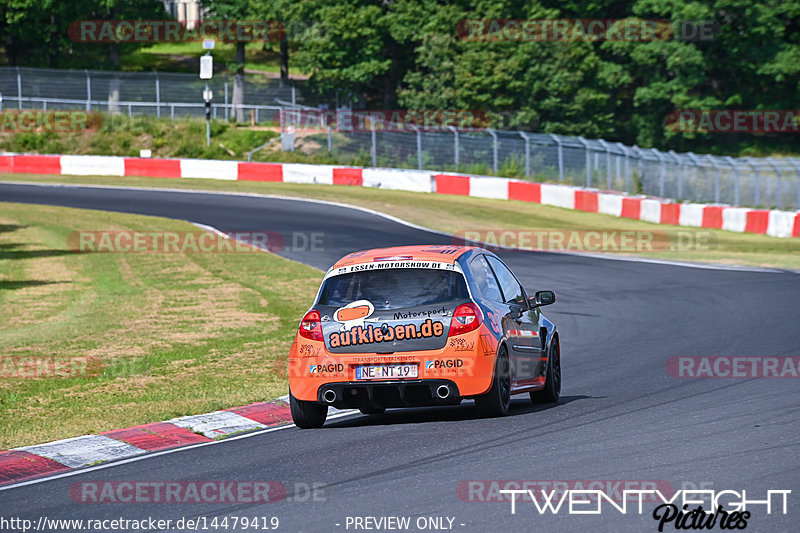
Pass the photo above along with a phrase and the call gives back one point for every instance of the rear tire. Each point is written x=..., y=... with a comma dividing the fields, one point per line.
x=371, y=410
x=497, y=401
x=552, y=383
x=307, y=415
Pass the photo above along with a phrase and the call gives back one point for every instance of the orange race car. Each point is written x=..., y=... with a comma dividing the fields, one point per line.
x=421, y=325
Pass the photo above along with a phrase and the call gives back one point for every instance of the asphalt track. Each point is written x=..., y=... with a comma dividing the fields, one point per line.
x=621, y=416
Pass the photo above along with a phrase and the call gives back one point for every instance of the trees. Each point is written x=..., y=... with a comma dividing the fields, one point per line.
x=36, y=31
x=233, y=10
x=409, y=53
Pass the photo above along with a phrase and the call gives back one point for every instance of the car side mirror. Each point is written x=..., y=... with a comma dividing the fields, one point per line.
x=542, y=298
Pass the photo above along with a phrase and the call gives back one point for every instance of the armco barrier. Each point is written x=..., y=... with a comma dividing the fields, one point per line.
x=660, y=211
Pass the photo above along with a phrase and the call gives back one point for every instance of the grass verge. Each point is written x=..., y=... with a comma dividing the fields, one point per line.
x=185, y=57
x=164, y=335
x=453, y=214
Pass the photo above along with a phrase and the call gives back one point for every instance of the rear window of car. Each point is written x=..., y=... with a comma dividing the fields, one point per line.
x=394, y=288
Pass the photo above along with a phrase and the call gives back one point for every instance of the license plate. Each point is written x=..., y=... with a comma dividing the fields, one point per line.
x=386, y=371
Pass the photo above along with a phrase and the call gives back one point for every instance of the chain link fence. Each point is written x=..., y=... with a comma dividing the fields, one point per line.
x=771, y=182
x=161, y=94
x=752, y=182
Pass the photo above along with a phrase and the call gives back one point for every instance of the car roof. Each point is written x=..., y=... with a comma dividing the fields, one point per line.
x=443, y=253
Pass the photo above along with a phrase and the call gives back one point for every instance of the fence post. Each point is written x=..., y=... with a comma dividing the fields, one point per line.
x=374, y=148
x=172, y=112
x=716, y=178
x=158, y=96
x=608, y=163
x=560, y=149
x=627, y=167
x=419, y=145
x=696, y=162
x=713, y=162
x=662, y=174
x=455, y=144
x=88, y=91
x=19, y=89
x=330, y=139
x=494, y=149
x=778, y=191
x=227, y=111
x=588, y=161
x=640, y=155
x=792, y=161
x=757, y=199
x=679, y=163
x=527, y=153
x=735, y=168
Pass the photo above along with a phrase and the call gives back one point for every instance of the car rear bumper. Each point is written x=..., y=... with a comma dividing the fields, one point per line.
x=399, y=393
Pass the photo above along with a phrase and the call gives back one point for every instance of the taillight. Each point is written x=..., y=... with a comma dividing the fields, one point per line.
x=311, y=326
x=466, y=317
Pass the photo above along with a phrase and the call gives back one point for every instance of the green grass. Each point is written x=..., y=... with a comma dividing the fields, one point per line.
x=453, y=214
x=164, y=334
x=123, y=136
x=184, y=57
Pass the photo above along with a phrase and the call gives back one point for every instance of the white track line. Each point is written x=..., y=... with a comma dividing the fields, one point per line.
x=666, y=262
x=341, y=414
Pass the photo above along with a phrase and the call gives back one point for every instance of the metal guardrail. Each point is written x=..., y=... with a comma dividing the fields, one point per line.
x=771, y=182
x=262, y=113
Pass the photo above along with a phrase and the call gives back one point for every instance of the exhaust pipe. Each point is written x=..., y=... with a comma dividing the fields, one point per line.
x=329, y=396
x=443, y=391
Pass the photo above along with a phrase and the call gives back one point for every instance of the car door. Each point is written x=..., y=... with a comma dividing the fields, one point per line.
x=489, y=294
x=520, y=326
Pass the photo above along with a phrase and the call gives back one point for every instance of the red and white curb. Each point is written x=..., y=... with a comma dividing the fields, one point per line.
x=656, y=210
x=58, y=457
